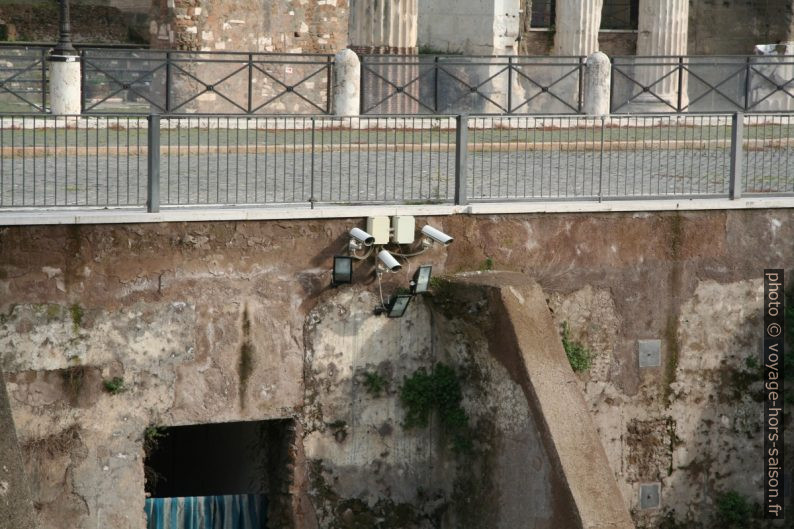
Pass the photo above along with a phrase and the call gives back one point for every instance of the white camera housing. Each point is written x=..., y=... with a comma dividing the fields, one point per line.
x=437, y=235
x=363, y=237
x=389, y=261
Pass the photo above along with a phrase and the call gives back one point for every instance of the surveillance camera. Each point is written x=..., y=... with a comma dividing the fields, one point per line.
x=437, y=235
x=362, y=236
x=389, y=260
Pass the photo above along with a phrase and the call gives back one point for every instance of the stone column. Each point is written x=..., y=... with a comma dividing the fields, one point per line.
x=384, y=27
x=597, y=77
x=347, y=78
x=65, y=84
x=663, y=31
x=577, y=24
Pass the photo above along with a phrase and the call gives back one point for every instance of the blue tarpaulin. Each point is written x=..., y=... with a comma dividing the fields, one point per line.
x=239, y=511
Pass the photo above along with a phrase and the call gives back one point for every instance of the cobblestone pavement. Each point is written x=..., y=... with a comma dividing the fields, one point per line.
x=364, y=173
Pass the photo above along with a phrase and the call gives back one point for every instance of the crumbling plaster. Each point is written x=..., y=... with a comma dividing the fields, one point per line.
x=163, y=306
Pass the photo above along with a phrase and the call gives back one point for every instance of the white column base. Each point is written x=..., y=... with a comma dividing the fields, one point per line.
x=347, y=83
x=65, y=85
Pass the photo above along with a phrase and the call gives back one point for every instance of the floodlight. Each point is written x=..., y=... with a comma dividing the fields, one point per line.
x=421, y=280
x=397, y=305
x=343, y=270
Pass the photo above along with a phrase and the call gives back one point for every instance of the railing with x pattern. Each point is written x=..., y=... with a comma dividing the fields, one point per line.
x=702, y=84
x=23, y=79
x=427, y=84
x=141, y=81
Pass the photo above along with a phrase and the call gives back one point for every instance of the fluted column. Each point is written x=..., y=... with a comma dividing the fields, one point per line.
x=383, y=26
x=577, y=24
x=663, y=31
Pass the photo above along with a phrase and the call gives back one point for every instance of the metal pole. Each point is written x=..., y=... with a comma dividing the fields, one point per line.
x=461, y=157
x=250, y=80
x=601, y=163
x=153, y=165
x=510, y=85
x=435, y=84
x=580, y=99
x=680, y=83
x=64, y=46
x=747, y=84
x=83, y=88
x=168, y=81
x=737, y=155
x=312, y=199
x=43, y=80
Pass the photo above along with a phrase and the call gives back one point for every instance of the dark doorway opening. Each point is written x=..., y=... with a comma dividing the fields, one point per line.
x=241, y=464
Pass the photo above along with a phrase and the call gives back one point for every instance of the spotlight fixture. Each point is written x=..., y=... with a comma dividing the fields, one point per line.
x=421, y=281
x=343, y=270
x=398, y=305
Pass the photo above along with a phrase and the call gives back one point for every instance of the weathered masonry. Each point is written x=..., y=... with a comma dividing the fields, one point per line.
x=115, y=338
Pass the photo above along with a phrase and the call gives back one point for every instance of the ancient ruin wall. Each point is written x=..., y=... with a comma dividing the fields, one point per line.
x=165, y=307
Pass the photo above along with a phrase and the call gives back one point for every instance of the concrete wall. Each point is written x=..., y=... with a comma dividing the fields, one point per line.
x=175, y=309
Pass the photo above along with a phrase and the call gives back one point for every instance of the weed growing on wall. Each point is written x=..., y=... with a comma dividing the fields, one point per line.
x=374, y=383
x=114, y=385
x=436, y=391
x=578, y=355
x=734, y=511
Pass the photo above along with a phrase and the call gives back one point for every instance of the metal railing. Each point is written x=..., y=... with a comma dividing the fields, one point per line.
x=23, y=79
x=427, y=84
x=178, y=82
x=172, y=161
x=708, y=84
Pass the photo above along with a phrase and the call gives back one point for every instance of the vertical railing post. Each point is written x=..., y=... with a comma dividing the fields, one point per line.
x=737, y=155
x=312, y=198
x=461, y=158
x=601, y=163
x=510, y=85
x=168, y=81
x=680, y=83
x=435, y=84
x=250, y=82
x=580, y=99
x=362, y=86
x=82, y=82
x=44, y=79
x=153, y=165
x=747, y=84
x=329, y=81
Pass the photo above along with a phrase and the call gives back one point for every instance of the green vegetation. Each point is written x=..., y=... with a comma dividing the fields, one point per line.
x=77, y=317
x=374, y=383
x=578, y=355
x=734, y=511
x=114, y=385
x=245, y=364
x=152, y=437
x=788, y=356
x=439, y=390
x=73, y=379
x=486, y=265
